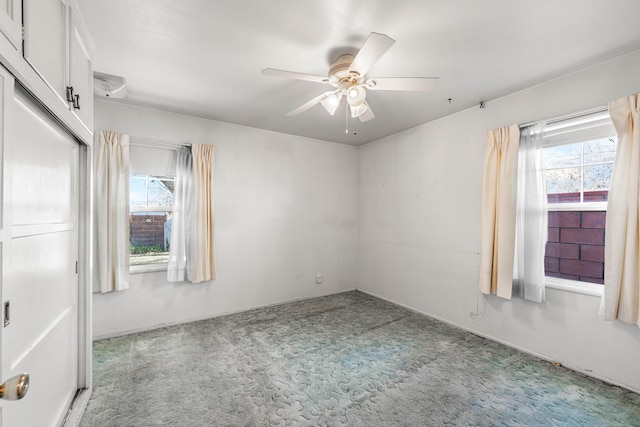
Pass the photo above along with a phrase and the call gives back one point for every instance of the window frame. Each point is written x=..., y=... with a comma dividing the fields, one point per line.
x=156, y=266
x=581, y=134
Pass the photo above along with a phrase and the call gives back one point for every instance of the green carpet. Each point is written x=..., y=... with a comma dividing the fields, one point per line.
x=347, y=359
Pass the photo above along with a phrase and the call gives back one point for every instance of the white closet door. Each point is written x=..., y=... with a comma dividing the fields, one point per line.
x=40, y=249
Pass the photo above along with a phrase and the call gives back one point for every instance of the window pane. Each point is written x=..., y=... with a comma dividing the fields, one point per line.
x=563, y=181
x=137, y=190
x=598, y=177
x=565, y=164
x=160, y=191
x=600, y=151
x=575, y=245
x=146, y=190
x=150, y=236
x=562, y=156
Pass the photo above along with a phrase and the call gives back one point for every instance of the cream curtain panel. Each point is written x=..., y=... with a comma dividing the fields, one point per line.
x=622, y=241
x=111, y=211
x=181, y=254
x=204, y=265
x=499, y=211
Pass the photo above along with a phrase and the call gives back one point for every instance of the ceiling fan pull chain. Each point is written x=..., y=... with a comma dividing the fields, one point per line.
x=346, y=119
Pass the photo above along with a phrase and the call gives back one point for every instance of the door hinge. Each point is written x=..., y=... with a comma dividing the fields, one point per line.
x=76, y=267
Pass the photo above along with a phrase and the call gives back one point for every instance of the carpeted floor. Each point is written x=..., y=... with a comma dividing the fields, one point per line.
x=347, y=359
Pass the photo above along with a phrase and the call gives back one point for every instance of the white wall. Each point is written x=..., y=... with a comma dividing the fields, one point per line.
x=419, y=228
x=286, y=209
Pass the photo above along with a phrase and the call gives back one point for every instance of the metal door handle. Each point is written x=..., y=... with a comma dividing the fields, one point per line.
x=15, y=388
x=69, y=93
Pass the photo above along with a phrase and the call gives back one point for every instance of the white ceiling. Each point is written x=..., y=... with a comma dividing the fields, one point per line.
x=204, y=57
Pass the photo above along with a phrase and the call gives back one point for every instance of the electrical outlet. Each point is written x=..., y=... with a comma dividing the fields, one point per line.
x=318, y=279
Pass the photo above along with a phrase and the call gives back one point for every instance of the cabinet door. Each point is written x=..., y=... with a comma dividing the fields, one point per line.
x=45, y=42
x=81, y=71
x=11, y=21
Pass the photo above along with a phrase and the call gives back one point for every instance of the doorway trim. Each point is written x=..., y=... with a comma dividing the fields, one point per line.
x=85, y=293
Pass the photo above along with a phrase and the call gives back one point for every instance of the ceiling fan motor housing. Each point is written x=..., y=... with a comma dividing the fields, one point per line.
x=339, y=73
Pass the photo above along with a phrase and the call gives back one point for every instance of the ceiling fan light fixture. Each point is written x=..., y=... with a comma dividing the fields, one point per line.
x=332, y=102
x=358, y=110
x=356, y=95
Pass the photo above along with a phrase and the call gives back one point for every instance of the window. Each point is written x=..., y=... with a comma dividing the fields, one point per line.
x=579, y=172
x=578, y=160
x=150, y=206
x=151, y=188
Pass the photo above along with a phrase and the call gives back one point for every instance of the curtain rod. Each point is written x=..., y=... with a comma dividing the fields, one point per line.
x=156, y=143
x=568, y=116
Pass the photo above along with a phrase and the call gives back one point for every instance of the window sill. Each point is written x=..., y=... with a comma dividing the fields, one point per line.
x=574, y=286
x=584, y=206
x=148, y=268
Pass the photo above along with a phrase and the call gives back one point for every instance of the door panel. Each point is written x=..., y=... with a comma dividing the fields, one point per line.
x=51, y=388
x=39, y=277
x=45, y=42
x=80, y=70
x=46, y=283
x=11, y=21
x=43, y=174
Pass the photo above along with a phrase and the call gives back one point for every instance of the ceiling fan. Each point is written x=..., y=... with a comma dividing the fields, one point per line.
x=348, y=76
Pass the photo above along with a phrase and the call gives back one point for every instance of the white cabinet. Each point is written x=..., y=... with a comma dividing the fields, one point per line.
x=56, y=45
x=80, y=70
x=11, y=21
x=45, y=42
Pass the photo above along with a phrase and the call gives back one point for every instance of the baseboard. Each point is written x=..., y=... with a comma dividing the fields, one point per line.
x=198, y=319
x=507, y=344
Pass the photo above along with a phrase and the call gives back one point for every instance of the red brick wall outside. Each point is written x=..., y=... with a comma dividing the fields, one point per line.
x=147, y=233
x=589, y=196
x=575, y=246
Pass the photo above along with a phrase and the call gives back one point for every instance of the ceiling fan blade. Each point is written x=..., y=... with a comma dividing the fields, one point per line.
x=372, y=49
x=415, y=84
x=304, y=107
x=294, y=75
x=367, y=115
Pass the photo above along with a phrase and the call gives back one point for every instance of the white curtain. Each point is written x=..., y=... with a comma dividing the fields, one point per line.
x=182, y=233
x=622, y=241
x=111, y=211
x=531, y=216
x=204, y=266
x=499, y=211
